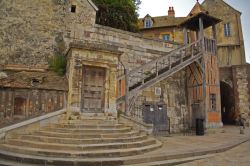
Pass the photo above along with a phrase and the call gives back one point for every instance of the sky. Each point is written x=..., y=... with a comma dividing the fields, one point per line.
x=183, y=7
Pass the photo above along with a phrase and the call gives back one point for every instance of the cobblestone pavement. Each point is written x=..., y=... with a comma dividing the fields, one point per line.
x=238, y=156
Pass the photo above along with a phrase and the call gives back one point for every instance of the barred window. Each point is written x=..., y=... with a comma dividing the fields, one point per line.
x=227, y=29
x=213, y=102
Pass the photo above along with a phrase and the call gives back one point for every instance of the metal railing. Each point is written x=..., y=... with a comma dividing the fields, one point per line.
x=150, y=73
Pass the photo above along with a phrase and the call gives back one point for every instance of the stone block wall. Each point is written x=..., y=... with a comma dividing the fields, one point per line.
x=231, y=49
x=19, y=104
x=136, y=51
x=238, y=78
x=174, y=95
x=32, y=31
x=243, y=90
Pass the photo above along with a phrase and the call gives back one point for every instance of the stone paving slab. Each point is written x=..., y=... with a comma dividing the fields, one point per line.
x=179, y=146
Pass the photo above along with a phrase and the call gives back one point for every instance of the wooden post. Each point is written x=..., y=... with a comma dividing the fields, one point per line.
x=201, y=28
x=156, y=69
x=201, y=33
x=127, y=92
x=201, y=37
x=215, y=38
x=185, y=36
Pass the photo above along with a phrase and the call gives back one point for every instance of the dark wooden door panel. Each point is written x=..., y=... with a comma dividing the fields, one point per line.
x=93, y=89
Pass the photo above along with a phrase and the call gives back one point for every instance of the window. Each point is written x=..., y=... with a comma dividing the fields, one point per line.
x=227, y=29
x=148, y=23
x=213, y=102
x=166, y=37
x=73, y=9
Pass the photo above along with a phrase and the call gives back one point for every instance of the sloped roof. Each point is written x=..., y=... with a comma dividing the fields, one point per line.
x=23, y=79
x=93, y=5
x=197, y=9
x=192, y=20
x=224, y=3
x=162, y=21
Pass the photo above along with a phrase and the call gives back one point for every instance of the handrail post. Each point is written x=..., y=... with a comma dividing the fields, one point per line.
x=127, y=92
x=169, y=61
x=156, y=69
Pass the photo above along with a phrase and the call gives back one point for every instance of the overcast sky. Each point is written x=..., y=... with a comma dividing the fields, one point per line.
x=183, y=7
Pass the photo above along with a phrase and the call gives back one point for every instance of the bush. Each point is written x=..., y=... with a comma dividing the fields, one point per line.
x=58, y=64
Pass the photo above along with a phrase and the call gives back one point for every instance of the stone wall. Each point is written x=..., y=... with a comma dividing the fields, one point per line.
x=243, y=85
x=230, y=48
x=238, y=78
x=174, y=95
x=135, y=51
x=32, y=31
x=19, y=104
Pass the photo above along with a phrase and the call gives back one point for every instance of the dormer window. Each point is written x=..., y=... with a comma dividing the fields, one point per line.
x=148, y=23
x=73, y=8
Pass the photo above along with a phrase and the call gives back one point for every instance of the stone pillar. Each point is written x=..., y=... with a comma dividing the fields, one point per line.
x=242, y=89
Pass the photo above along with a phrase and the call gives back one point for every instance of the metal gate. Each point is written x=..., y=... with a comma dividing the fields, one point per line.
x=156, y=114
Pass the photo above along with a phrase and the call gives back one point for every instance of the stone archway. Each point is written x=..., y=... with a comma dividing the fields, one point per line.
x=228, y=112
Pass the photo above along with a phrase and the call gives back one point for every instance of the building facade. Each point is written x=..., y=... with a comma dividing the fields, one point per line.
x=103, y=64
x=230, y=52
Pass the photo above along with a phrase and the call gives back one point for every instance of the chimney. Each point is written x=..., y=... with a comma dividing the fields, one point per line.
x=171, y=12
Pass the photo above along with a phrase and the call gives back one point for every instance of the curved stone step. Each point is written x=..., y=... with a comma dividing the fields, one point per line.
x=89, y=121
x=89, y=126
x=109, y=153
x=81, y=141
x=86, y=130
x=80, y=147
x=87, y=135
x=17, y=159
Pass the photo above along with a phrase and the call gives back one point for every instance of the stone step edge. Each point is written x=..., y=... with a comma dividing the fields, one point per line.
x=29, y=149
x=205, y=151
x=129, y=160
x=88, y=125
x=86, y=139
x=25, y=142
x=161, y=163
x=86, y=129
x=124, y=159
x=173, y=161
x=103, y=135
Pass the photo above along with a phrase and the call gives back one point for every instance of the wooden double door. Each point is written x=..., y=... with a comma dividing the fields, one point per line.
x=93, y=89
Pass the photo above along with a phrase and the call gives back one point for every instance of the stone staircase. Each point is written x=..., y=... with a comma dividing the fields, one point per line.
x=86, y=141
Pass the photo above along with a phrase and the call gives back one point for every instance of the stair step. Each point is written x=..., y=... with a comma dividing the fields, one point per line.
x=81, y=154
x=80, y=147
x=89, y=126
x=80, y=122
x=87, y=135
x=81, y=141
x=172, y=161
x=80, y=130
x=14, y=163
x=15, y=159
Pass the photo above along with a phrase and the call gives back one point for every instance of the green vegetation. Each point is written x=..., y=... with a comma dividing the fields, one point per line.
x=120, y=14
x=58, y=64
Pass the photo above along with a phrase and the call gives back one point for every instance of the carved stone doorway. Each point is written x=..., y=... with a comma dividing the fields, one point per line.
x=93, y=90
